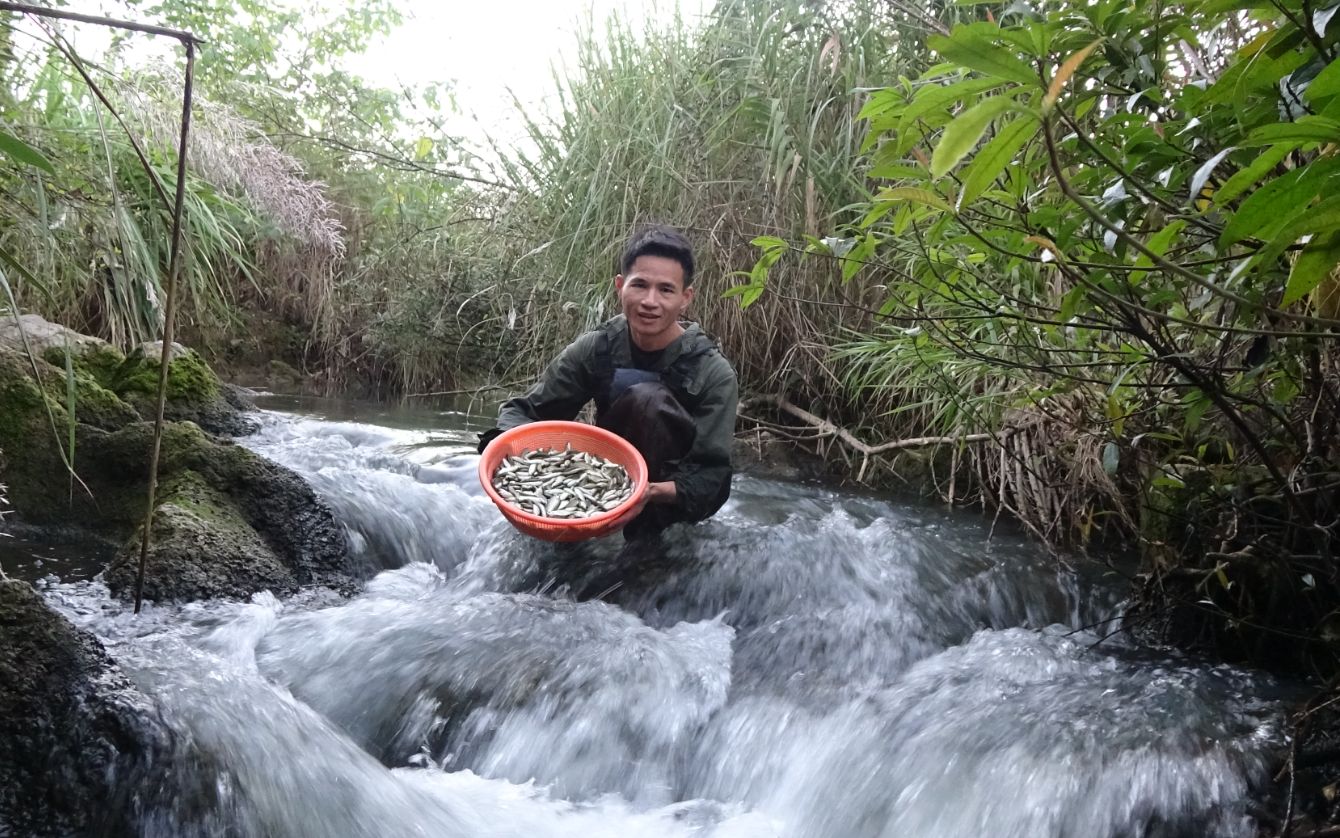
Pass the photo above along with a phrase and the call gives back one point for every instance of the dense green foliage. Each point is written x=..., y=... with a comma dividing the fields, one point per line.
x=1109, y=238
x=746, y=127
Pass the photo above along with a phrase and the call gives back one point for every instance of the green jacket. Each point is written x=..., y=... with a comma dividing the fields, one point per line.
x=701, y=378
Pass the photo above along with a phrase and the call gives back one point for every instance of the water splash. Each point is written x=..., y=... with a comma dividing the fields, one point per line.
x=806, y=664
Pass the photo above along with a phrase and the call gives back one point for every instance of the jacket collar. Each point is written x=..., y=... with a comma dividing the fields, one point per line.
x=693, y=341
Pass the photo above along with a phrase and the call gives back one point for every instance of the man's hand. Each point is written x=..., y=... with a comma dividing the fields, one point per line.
x=662, y=492
x=656, y=493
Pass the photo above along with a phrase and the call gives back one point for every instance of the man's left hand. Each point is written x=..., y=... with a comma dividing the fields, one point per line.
x=656, y=493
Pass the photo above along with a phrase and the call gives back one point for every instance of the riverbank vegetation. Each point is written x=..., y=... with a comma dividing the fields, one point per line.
x=1075, y=266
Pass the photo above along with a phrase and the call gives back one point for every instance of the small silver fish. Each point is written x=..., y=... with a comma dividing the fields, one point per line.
x=562, y=484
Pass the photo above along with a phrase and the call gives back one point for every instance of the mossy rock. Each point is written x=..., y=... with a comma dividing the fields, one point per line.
x=35, y=427
x=228, y=522
x=190, y=380
x=98, y=361
x=122, y=456
x=93, y=403
x=259, y=509
x=201, y=546
x=194, y=392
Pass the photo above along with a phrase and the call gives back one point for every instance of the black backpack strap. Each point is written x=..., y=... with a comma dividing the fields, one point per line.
x=602, y=369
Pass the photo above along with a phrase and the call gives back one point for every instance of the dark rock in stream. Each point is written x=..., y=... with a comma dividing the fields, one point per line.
x=77, y=740
x=229, y=522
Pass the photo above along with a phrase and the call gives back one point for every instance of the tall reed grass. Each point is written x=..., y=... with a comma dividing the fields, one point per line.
x=741, y=126
x=92, y=235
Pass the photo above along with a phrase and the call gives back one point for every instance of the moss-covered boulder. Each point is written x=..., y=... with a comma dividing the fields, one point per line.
x=201, y=546
x=100, y=371
x=194, y=393
x=76, y=739
x=35, y=429
x=227, y=523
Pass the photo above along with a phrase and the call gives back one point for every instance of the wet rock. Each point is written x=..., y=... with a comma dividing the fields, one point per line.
x=76, y=739
x=108, y=380
x=236, y=523
x=35, y=428
x=41, y=335
x=201, y=547
x=241, y=398
x=771, y=457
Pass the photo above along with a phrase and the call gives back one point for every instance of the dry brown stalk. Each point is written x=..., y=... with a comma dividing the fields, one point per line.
x=826, y=428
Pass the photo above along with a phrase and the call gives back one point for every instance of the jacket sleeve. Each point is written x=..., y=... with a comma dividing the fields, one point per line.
x=702, y=481
x=565, y=387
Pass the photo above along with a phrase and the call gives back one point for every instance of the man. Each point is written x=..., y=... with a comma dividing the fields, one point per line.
x=661, y=384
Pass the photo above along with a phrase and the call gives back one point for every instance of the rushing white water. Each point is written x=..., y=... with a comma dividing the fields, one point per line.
x=806, y=664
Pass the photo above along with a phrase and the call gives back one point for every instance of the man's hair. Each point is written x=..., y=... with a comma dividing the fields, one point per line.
x=659, y=240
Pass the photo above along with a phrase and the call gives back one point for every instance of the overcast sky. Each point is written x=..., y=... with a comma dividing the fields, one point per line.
x=487, y=48
x=484, y=48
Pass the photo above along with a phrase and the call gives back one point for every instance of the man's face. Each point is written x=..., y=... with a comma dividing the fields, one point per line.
x=653, y=297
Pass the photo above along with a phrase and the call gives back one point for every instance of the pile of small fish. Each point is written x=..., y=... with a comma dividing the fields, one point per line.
x=562, y=484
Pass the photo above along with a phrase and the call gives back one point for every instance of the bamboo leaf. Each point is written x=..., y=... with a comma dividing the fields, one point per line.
x=1327, y=83
x=856, y=258
x=1063, y=75
x=1203, y=174
x=961, y=135
x=1319, y=219
x=934, y=97
x=21, y=152
x=880, y=102
x=1309, y=129
x=25, y=274
x=769, y=243
x=1269, y=209
x=1111, y=458
x=1158, y=244
x=1246, y=178
x=1314, y=264
x=975, y=52
x=897, y=171
x=1321, y=19
x=994, y=157
x=912, y=193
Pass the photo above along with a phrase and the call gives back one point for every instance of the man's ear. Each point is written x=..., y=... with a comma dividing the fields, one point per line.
x=688, y=296
x=618, y=283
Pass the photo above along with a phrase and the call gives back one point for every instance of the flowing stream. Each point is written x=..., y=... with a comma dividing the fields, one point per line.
x=808, y=663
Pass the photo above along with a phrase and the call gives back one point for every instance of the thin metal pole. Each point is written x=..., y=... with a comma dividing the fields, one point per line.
x=42, y=11
x=169, y=316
